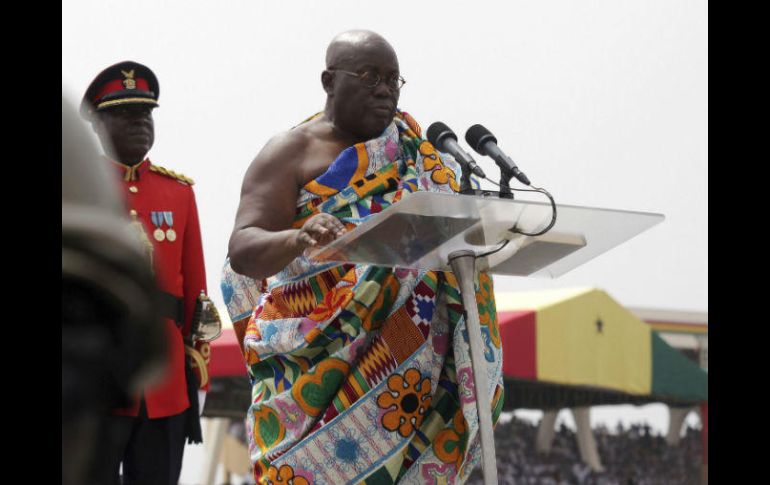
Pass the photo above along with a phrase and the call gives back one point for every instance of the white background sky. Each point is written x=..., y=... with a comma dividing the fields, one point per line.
x=604, y=103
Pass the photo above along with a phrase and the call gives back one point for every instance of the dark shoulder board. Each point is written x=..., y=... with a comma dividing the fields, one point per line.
x=172, y=174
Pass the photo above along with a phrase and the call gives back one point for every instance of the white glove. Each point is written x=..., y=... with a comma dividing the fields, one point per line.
x=201, y=401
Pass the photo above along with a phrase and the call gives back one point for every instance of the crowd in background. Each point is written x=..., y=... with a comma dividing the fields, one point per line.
x=629, y=455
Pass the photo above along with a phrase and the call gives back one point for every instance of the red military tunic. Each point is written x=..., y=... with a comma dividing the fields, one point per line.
x=178, y=266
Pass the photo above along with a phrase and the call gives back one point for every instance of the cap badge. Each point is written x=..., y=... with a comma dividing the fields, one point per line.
x=128, y=82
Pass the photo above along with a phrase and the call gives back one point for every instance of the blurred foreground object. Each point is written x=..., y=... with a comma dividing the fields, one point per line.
x=112, y=342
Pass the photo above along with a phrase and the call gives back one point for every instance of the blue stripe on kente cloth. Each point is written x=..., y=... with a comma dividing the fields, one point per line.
x=341, y=170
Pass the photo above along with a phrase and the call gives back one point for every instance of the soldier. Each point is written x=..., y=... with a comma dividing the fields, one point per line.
x=148, y=437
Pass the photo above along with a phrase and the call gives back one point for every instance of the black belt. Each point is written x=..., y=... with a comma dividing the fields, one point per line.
x=172, y=307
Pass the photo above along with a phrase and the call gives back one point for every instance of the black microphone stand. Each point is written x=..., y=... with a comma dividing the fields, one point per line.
x=465, y=181
x=505, y=188
x=506, y=175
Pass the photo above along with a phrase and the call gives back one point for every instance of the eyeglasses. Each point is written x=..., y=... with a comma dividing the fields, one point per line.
x=371, y=79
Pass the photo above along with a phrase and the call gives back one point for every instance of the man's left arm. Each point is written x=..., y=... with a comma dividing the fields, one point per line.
x=194, y=281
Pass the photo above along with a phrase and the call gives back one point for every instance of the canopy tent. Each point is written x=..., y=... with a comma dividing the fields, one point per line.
x=579, y=347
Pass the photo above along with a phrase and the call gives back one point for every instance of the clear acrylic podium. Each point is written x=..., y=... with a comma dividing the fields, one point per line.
x=447, y=232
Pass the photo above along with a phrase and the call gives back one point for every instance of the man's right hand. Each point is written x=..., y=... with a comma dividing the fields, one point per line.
x=319, y=230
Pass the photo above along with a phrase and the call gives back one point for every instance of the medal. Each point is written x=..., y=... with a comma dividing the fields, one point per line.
x=157, y=222
x=170, y=232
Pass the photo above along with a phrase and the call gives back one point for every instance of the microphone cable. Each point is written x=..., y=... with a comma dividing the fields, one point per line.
x=514, y=229
x=539, y=190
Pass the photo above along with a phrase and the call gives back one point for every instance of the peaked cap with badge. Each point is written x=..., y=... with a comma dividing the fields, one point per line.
x=126, y=82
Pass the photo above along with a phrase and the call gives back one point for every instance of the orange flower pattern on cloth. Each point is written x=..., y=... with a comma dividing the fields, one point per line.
x=440, y=173
x=450, y=443
x=284, y=476
x=411, y=397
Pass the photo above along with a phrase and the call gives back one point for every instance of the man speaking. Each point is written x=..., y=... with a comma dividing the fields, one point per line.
x=359, y=373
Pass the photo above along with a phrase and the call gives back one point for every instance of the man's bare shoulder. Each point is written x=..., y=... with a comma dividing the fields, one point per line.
x=285, y=154
x=285, y=146
x=296, y=141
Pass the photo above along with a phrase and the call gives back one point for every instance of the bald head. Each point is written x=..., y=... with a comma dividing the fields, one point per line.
x=345, y=47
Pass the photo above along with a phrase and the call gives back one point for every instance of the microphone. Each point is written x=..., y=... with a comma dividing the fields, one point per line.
x=485, y=143
x=444, y=139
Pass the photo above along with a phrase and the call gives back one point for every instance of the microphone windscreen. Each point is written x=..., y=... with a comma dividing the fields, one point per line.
x=437, y=131
x=477, y=135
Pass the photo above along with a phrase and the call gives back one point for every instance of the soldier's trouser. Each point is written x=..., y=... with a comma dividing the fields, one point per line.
x=150, y=449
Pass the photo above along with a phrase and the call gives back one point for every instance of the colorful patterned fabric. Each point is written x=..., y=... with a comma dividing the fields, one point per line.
x=362, y=374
